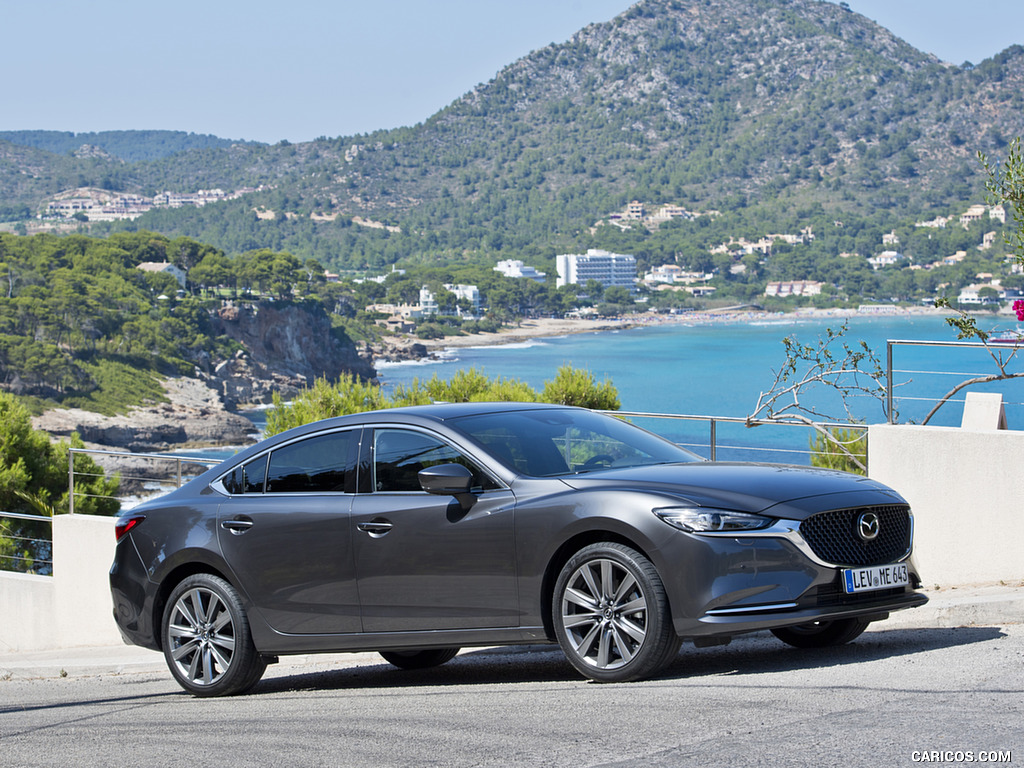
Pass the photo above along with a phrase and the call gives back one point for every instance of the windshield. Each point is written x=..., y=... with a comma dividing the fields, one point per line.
x=551, y=442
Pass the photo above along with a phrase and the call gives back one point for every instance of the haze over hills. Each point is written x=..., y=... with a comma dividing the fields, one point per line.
x=761, y=108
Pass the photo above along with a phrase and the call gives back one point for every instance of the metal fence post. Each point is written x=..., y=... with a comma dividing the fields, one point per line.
x=71, y=481
x=888, y=382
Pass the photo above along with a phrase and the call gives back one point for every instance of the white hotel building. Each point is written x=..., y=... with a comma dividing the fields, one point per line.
x=607, y=268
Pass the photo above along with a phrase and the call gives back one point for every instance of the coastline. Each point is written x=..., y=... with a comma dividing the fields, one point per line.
x=195, y=415
x=537, y=328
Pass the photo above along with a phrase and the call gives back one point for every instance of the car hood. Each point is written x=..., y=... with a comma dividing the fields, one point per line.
x=777, y=490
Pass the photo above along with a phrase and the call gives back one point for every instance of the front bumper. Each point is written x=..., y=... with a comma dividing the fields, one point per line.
x=727, y=585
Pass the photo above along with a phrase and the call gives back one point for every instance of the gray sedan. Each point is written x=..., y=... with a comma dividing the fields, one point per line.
x=419, y=531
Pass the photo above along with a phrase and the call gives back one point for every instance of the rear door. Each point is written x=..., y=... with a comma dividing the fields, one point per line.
x=286, y=533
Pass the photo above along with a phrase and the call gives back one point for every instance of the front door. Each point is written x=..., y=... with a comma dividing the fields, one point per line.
x=424, y=562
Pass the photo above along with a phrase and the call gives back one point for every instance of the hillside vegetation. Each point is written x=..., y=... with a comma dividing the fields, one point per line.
x=759, y=108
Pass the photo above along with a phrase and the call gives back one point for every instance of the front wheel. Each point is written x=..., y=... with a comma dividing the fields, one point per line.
x=821, y=634
x=206, y=638
x=611, y=615
x=433, y=657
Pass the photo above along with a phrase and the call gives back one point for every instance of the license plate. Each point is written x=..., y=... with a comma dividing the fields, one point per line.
x=877, y=577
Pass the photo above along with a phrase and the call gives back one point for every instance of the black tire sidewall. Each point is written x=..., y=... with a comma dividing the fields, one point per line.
x=660, y=645
x=246, y=667
x=830, y=633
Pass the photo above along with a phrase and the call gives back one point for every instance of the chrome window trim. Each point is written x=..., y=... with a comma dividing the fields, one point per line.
x=217, y=484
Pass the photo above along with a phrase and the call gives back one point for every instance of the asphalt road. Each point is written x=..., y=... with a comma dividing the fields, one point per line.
x=882, y=701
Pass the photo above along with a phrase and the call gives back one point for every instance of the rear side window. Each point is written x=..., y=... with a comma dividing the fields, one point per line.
x=247, y=478
x=319, y=464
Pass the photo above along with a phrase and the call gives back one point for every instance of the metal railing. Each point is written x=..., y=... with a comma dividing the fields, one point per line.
x=155, y=481
x=715, y=443
x=31, y=536
x=891, y=398
x=42, y=545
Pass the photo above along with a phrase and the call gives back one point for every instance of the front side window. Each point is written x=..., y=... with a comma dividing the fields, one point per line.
x=319, y=464
x=399, y=455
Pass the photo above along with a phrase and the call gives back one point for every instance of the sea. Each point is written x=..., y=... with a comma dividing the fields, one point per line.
x=720, y=368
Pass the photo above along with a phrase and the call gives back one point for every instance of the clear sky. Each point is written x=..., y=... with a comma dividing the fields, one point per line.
x=253, y=69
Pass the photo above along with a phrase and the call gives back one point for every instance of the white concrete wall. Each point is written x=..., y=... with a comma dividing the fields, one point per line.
x=28, y=609
x=72, y=607
x=965, y=488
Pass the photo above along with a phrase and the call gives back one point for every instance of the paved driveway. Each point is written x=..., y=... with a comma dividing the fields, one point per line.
x=883, y=700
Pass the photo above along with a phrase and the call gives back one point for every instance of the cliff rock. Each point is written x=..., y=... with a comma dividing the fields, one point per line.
x=287, y=347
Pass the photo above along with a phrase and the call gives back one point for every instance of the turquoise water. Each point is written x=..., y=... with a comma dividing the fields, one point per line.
x=720, y=369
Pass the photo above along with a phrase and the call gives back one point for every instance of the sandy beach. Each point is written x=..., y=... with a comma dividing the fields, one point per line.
x=544, y=327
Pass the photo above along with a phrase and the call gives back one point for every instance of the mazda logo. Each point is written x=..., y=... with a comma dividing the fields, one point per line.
x=867, y=526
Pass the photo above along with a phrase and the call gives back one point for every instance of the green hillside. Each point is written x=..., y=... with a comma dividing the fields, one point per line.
x=762, y=109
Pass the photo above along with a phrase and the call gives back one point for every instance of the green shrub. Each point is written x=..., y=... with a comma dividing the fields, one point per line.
x=830, y=453
x=350, y=395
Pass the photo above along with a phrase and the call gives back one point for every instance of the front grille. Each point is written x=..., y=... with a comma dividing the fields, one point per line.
x=832, y=536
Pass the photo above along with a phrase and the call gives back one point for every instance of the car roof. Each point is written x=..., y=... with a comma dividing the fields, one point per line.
x=422, y=415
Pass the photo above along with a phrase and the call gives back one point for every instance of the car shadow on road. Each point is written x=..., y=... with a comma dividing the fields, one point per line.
x=747, y=654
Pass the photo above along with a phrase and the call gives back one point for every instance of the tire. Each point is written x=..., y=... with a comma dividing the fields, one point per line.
x=434, y=657
x=206, y=638
x=611, y=615
x=821, y=634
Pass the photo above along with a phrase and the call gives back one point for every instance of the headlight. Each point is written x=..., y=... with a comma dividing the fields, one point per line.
x=704, y=520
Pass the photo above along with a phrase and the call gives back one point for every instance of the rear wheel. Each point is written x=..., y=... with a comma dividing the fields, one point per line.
x=611, y=615
x=206, y=638
x=433, y=657
x=821, y=634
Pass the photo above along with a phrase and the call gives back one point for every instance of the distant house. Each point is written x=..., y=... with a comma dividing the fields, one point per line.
x=972, y=294
x=956, y=258
x=884, y=259
x=634, y=210
x=469, y=293
x=972, y=214
x=516, y=269
x=786, y=288
x=165, y=266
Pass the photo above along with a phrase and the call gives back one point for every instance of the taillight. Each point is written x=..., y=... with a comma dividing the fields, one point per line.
x=125, y=524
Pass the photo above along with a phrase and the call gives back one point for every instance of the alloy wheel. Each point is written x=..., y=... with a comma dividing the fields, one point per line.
x=201, y=632
x=604, y=613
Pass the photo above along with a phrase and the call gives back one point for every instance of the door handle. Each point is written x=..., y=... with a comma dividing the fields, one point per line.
x=236, y=526
x=375, y=527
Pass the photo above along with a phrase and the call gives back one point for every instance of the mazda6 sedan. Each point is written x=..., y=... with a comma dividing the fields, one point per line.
x=418, y=531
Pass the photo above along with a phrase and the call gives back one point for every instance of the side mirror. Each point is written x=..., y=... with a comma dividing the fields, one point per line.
x=446, y=480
